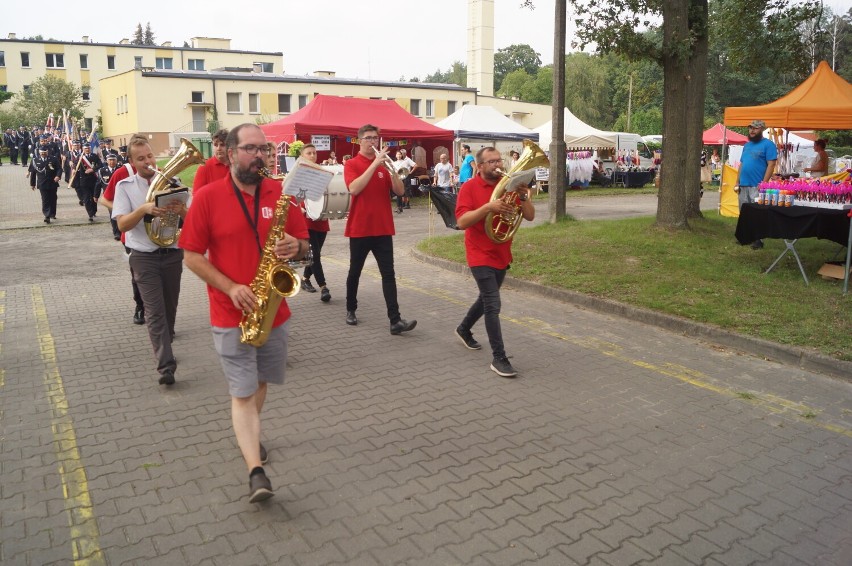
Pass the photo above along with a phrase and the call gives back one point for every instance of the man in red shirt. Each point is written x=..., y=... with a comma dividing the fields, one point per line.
x=216, y=167
x=488, y=260
x=229, y=221
x=369, y=176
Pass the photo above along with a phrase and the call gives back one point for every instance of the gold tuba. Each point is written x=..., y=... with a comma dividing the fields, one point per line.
x=273, y=281
x=163, y=230
x=502, y=227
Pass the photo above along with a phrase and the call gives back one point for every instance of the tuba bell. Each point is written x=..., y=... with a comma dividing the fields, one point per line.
x=163, y=230
x=501, y=228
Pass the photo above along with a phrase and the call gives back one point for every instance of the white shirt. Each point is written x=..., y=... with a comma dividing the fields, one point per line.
x=404, y=162
x=130, y=194
x=444, y=173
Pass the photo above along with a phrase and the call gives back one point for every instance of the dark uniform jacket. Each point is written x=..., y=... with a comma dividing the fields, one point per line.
x=83, y=180
x=43, y=172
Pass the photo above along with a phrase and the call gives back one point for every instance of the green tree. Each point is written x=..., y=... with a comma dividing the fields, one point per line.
x=5, y=95
x=138, y=36
x=149, y=35
x=513, y=58
x=513, y=84
x=455, y=75
x=588, y=89
x=48, y=94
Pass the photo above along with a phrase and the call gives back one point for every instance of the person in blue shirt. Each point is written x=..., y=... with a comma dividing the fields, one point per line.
x=756, y=166
x=466, y=169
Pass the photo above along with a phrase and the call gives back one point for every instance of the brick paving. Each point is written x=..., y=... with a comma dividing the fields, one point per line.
x=619, y=443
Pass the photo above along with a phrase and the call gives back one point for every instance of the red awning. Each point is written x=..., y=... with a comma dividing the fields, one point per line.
x=714, y=136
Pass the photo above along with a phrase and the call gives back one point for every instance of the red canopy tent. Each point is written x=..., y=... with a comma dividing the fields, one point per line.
x=719, y=133
x=341, y=117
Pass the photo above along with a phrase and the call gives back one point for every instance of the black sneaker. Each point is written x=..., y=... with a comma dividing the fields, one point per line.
x=402, y=326
x=260, y=488
x=503, y=368
x=168, y=378
x=325, y=295
x=466, y=336
x=757, y=245
x=264, y=455
x=351, y=319
x=139, y=316
x=306, y=286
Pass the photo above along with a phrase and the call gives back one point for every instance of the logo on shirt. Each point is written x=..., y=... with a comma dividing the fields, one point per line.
x=266, y=212
x=381, y=174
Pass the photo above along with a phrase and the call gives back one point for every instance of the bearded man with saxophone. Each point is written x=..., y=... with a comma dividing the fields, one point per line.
x=370, y=229
x=156, y=270
x=230, y=221
x=488, y=260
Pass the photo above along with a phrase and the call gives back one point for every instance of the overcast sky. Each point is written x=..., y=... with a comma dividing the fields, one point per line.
x=355, y=38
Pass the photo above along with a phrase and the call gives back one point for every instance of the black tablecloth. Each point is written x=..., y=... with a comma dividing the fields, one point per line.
x=633, y=179
x=761, y=221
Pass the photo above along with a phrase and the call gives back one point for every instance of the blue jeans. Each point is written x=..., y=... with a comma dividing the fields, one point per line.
x=489, y=280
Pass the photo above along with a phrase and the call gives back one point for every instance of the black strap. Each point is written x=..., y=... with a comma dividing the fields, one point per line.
x=252, y=223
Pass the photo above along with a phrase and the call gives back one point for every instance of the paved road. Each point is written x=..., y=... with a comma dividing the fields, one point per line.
x=619, y=443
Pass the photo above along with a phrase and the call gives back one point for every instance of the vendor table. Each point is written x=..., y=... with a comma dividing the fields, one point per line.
x=791, y=223
x=632, y=179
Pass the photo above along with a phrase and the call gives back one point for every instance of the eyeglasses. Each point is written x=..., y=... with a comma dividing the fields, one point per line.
x=492, y=162
x=370, y=138
x=255, y=149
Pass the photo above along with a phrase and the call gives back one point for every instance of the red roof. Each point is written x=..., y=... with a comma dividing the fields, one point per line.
x=714, y=136
x=340, y=116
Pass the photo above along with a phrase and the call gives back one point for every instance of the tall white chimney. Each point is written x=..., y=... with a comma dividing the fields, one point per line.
x=480, y=46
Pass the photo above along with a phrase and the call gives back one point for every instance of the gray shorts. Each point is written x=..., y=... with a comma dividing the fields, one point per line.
x=245, y=366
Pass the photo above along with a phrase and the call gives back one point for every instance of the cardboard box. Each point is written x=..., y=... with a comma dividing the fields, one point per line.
x=833, y=270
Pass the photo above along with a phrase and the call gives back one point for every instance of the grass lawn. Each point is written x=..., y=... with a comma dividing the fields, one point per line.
x=702, y=274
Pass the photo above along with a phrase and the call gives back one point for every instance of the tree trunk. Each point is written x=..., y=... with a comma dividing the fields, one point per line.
x=696, y=88
x=671, y=205
x=556, y=183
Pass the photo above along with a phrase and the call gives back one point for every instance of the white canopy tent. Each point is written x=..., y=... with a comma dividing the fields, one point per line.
x=473, y=122
x=580, y=135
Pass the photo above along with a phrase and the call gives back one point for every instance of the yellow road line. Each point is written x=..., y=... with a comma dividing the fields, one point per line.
x=767, y=401
x=85, y=546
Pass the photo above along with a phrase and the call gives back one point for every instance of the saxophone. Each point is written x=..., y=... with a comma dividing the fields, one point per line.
x=273, y=281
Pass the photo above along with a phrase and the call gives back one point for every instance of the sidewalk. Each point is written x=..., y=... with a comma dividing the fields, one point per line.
x=619, y=443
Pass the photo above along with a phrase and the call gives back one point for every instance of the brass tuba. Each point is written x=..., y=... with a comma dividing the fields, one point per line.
x=502, y=227
x=163, y=230
x=273, y=281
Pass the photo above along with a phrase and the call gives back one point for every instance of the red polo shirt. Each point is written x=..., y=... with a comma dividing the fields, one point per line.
x=216, y=225
x=370, y=210
x=211, y=170
x=479, y=248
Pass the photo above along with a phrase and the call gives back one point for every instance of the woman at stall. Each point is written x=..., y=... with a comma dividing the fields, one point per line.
x=819, y=168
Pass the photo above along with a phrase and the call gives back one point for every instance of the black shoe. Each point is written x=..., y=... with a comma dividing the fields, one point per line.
x=351, y=319
x=260, y=488
x=402, y=326
x=407, y=206
x=117, y=238
x=306, y=286
x=91, y=219
x=467, y=339
x=81, y=203
x=757, y=245
x=264, y=455
x=325, y=295
x=503, y=368
x=139, y=316
x=46, y=220
x=54, y=217
x=399, y=211
x=168, y=378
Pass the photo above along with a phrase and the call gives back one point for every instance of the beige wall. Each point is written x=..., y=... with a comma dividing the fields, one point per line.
x=526, y=114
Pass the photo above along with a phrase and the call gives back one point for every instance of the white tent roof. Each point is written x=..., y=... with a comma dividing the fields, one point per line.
x=574, y=128
x=484, y=122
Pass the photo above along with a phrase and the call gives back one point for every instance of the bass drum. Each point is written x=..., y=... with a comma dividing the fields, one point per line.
x=334, y=204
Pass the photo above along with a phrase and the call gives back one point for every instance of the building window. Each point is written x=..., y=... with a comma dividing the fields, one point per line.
x=55, y=60
x=451, y=107
x=111, y=62
x=234, y=103
x=415, y=106
x=137, y=62
x=88, y=123
x=25, y=59
x=164, y=62
x=303, y=100
x=86, y=95
x=26, y=90
x=84, y=61
x=254, y=103
x=196, y=64
x=430, y=108
x=4, y=88
x=283, y=103
x=264, y=67
x=197, y=96
x=464, y=103
x=2, y=58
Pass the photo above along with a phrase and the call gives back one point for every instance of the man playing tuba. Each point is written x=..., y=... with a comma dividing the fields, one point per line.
x=488, y=260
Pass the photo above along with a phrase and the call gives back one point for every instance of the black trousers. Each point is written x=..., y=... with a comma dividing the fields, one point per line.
x=13, y=155
x=86, y=194
x=489, y=280
x=25, y=155
x=316, y=239
x=382, y=249
x=48, y=201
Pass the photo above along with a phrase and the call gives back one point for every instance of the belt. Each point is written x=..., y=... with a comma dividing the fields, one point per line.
x=160, y=251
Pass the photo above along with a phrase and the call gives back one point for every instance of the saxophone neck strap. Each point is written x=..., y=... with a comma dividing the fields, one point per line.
x=252, y=222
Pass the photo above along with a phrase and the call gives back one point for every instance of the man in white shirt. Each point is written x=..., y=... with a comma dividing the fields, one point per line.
x=156, y=270
x=443, y=174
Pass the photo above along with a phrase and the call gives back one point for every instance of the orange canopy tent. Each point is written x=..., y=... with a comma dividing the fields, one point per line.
x=822, y=102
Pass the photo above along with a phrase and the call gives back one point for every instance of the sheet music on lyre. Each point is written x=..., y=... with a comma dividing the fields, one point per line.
x=520, y=179
x=307, y=181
